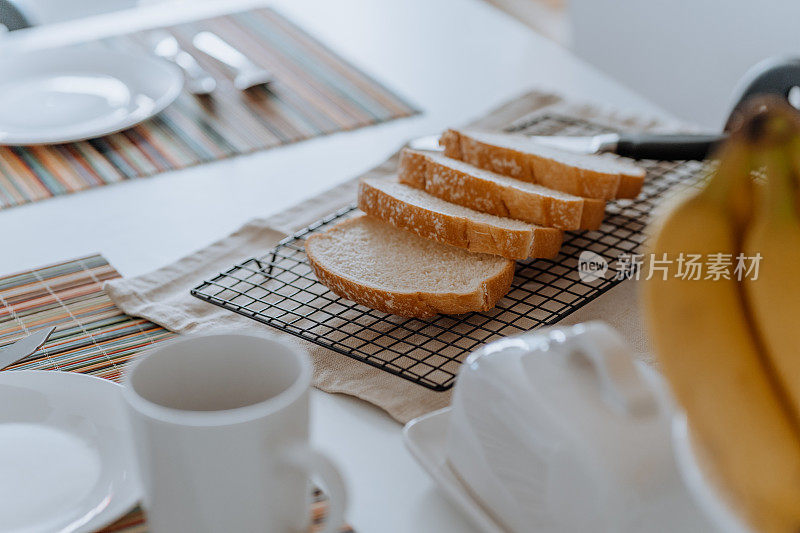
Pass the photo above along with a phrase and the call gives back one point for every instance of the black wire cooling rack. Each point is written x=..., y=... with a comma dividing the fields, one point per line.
x=280, y=290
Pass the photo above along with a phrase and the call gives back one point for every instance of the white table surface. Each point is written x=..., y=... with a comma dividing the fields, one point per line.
x=455, y=59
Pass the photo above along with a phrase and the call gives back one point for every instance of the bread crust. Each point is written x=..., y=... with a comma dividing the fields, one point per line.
x=408, y=304
x=594, y=211
x=473, y=235
x=544, y=171
x=419, y=170
x=630, y=186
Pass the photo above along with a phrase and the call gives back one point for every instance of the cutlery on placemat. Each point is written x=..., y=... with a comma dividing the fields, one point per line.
x=24, y=347
x=247, y=74
x=198, y=81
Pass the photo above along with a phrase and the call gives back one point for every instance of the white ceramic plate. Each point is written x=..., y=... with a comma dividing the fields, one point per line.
x=66, y=462
x=426, y=439
x=702, y=490
x=80, y=92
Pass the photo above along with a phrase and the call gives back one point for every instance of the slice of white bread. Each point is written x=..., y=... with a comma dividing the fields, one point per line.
x=377, y=265
x=463, y=184
x=520, y=157
x=433, y=218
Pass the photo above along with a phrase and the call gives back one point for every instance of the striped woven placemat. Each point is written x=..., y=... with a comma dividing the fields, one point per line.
x=316, y=92
x=92, y=335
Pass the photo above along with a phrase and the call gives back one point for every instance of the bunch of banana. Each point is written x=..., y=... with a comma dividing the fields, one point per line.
x=730, y=348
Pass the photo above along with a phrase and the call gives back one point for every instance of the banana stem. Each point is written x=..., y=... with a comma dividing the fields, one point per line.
x=728, y=175
x=779, y=200
x=729, y=187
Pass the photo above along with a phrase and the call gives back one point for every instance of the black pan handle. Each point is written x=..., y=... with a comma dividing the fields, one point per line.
x=668, y=147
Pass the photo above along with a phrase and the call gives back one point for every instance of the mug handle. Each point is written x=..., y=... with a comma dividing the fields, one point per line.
x=312, y=462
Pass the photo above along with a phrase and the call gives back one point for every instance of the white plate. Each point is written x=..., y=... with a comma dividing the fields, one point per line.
x=426, y=439
x=702, y=490
x=80, y=92
x=66, y=462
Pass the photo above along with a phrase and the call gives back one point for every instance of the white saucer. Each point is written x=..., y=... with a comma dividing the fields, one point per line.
x=701, y=489
x=80, y=92
x=426, y=439
x=66, y=461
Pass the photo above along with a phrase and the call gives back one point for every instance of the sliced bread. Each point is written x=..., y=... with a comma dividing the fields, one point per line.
x=463, y=184
x=433, y=218
x=519, y=157
x=375, y=264
x=594, y=211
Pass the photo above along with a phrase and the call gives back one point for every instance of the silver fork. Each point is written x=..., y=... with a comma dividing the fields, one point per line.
x=198, y=81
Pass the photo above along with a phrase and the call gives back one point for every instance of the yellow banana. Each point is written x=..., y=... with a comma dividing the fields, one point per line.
x=773, y=293
x=705, y=348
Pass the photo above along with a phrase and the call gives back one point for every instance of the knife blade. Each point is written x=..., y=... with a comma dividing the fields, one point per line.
x=24, y=347
x=661, y=146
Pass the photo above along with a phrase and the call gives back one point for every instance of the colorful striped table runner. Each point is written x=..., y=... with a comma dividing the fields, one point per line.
x=92, y=335
x=316, y=92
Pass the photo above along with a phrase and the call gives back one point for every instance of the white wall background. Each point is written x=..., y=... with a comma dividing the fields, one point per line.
x=685, y=55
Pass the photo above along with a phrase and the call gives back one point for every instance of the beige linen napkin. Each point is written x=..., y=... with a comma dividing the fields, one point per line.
x=163, y=296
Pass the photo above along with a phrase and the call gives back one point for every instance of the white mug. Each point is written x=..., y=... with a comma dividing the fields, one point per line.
x=220, y=425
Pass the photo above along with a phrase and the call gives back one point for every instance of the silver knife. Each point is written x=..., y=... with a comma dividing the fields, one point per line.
x=198, y=81
x=24, y=347
x=247, y=74
x=661, y=146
